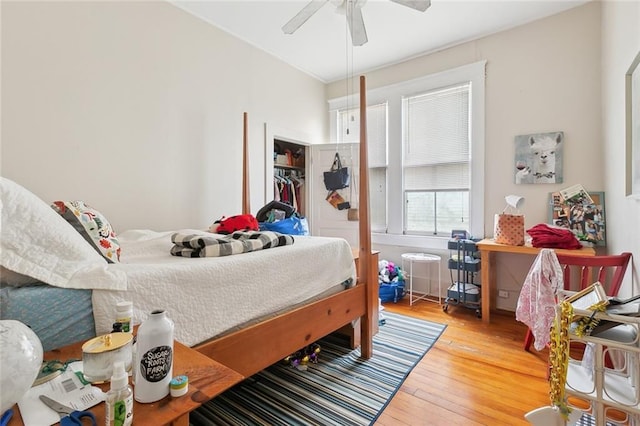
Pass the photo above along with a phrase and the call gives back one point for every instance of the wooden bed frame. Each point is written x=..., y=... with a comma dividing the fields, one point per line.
x=254, y=348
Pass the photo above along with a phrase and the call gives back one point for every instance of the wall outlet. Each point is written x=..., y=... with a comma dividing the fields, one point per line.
x=503, y=293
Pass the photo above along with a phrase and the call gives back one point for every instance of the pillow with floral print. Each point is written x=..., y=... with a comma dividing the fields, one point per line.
x=92, y=225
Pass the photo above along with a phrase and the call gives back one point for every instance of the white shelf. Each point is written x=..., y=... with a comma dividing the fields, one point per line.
x=607, y=387
x=617, y=390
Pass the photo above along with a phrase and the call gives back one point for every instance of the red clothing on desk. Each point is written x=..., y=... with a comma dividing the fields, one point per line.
x=546, y=236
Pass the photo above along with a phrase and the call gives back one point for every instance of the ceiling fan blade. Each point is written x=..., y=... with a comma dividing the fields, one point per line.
x=356, y=25
x=294, y=23
x=420, y=5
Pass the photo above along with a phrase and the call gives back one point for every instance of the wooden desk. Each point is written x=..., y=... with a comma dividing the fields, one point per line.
x=487, y=249
x=207, y=379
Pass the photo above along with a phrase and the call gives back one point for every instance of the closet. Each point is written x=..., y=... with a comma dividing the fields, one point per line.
x=289, y=165
x=299, y=157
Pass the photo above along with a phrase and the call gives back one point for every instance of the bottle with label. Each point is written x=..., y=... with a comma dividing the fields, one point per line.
x=154, y=358
x=119, y=400
x=124, y=314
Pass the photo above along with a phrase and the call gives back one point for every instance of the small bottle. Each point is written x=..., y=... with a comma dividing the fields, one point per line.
x=124, y=313
x=119, y=400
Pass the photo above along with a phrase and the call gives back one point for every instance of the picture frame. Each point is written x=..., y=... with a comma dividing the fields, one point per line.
x=586, y=220
x=588, y=297
x=632, y=120
x=538, y=158
x=590, y=301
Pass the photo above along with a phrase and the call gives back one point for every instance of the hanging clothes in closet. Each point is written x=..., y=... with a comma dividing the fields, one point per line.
x=288, y=187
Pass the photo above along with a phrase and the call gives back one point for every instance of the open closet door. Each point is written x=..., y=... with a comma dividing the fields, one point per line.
x=326, y=220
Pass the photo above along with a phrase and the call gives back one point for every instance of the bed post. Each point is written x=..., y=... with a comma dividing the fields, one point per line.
x=371, y=296
x=246, y=209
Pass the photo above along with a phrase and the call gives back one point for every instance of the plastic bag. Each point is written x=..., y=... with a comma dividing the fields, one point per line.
x=294, y=225
x=391, y=292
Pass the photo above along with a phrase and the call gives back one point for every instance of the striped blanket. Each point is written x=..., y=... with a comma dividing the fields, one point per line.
x=215, y=245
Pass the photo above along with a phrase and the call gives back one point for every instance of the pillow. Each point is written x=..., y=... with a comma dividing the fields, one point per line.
x=37, y=242
x=93, y=227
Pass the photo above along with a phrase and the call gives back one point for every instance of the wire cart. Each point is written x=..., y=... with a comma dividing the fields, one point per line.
x=464, y=266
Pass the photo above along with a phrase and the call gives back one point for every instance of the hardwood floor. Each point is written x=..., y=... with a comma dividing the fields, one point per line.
x=475, y=374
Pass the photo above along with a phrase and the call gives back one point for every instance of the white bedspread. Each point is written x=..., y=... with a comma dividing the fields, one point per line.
x=208, y=296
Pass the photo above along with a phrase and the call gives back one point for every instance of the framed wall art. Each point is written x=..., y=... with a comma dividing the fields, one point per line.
x=632, y=107
x=538, y=158
x=585, y=218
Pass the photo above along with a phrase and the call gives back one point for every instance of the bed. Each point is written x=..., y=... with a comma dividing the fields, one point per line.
x=246, y=328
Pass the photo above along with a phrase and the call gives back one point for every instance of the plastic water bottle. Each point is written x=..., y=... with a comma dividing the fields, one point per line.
x=154, y=358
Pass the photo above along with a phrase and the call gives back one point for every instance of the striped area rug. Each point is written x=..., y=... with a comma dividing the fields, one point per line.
x=341, y=389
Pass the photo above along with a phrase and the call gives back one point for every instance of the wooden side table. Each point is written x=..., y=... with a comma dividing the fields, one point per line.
x=207, y=379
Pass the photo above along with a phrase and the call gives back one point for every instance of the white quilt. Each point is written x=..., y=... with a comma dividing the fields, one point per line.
x=206, y=297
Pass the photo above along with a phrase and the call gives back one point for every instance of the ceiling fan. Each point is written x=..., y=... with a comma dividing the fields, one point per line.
x=353, y=10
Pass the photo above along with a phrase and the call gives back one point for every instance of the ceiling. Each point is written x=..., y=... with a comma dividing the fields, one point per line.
x=322, y=47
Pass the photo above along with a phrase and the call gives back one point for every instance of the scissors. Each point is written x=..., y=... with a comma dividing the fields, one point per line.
x=68, y=416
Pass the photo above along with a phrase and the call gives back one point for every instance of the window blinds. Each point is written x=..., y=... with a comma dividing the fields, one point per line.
x=436, y=139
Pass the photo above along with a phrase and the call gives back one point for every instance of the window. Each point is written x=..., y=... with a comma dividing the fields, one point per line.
x=436, y=160
x=426, y=155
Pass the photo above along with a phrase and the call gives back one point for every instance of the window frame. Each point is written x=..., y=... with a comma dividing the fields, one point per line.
x=393, y=95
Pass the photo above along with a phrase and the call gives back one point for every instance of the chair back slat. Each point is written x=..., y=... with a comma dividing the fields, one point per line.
x=585, y=276
x=566, y=276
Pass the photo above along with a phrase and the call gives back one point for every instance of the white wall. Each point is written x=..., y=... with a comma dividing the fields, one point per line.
x=620, y=44
x=136, y=107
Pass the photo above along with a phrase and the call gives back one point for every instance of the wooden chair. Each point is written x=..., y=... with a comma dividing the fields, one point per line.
x=579, y=272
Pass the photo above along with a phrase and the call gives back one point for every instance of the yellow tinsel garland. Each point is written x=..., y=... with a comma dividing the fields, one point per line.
x=586, y=325
x=559, y=358
x=559, y=350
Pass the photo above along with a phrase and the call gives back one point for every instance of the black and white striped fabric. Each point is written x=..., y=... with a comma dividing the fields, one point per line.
x=215, y=245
